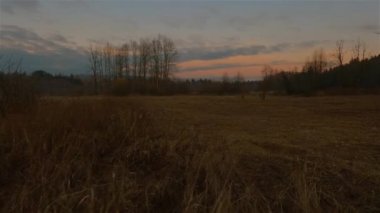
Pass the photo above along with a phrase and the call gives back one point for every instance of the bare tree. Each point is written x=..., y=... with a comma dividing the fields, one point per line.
x=94, y=62
x=364, y=49
x=145, y=54
x=108, y=61
x=148, y=59
x=317, y=64
x=135, y=58
x=267, y=73
x=169, y=57
x=225, y=83
x=225, y=78
x=356, y=50
x=119, y=62
x=16, y=88
x=340, y=52
x=156, y=70
x=239, y=84
x=125, y=56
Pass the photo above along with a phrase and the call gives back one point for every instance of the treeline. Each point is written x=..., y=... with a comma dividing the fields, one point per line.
x=19, y=89
x=236, y=85
x=143, y=66
x=146, y=67
x=359, y=75
x=57, y=85
x=172, y=86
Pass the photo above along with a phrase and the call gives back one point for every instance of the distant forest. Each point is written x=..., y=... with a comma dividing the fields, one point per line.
x=147, y=67
x=360, y=75
x=357, y=76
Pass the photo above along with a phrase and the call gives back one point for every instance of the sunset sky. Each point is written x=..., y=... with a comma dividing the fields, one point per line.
x=213, y=37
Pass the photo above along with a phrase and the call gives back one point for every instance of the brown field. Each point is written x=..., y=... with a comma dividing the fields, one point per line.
x=192, y=154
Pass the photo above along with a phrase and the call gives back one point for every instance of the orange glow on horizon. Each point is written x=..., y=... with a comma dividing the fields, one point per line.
x=250, y=72
x=250, y=66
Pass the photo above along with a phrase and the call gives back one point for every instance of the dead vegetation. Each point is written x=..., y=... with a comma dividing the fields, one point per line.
x=119, y=155
x=16, y=89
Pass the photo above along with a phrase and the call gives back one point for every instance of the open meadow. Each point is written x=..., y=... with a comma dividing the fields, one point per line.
x=192, y=154
x=189, y=106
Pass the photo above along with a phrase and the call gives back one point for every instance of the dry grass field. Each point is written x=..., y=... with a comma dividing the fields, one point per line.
x=192, y=154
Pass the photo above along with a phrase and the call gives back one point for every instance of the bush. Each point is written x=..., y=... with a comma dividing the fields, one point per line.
x=16, y=93
x=120, y=87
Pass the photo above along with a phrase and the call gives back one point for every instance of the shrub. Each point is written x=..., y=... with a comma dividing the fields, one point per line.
x=120, y=87
x=16, y=93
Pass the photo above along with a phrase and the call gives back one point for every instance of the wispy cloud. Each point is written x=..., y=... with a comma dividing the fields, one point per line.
x=235, y=66
x=53, y=53
x=10, y=6
x=221, y=52
x=204, y=53
x=15, y=37
x=371, y=28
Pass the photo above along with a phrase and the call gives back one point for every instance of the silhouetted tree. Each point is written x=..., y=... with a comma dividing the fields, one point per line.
x=126, y=60
x=95, y=66
x=358, y=50
x=267, y=74
x=145, y=64
x=145, y=54
x=239, y=84
x=340, y=52
x=157, y=61
x=135, y=58
x=169, y=57
x=16, y=88
x=360, y=74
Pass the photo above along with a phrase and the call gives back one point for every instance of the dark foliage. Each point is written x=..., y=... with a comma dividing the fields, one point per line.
x=48, y=84
x=17, y=93
x=358, y=76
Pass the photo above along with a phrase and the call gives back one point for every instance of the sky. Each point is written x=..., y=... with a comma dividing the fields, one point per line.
x=213, y=37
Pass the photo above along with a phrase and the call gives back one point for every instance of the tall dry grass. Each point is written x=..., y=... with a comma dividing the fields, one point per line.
x=108, y=155
x=16, y=93
x=98, y=156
